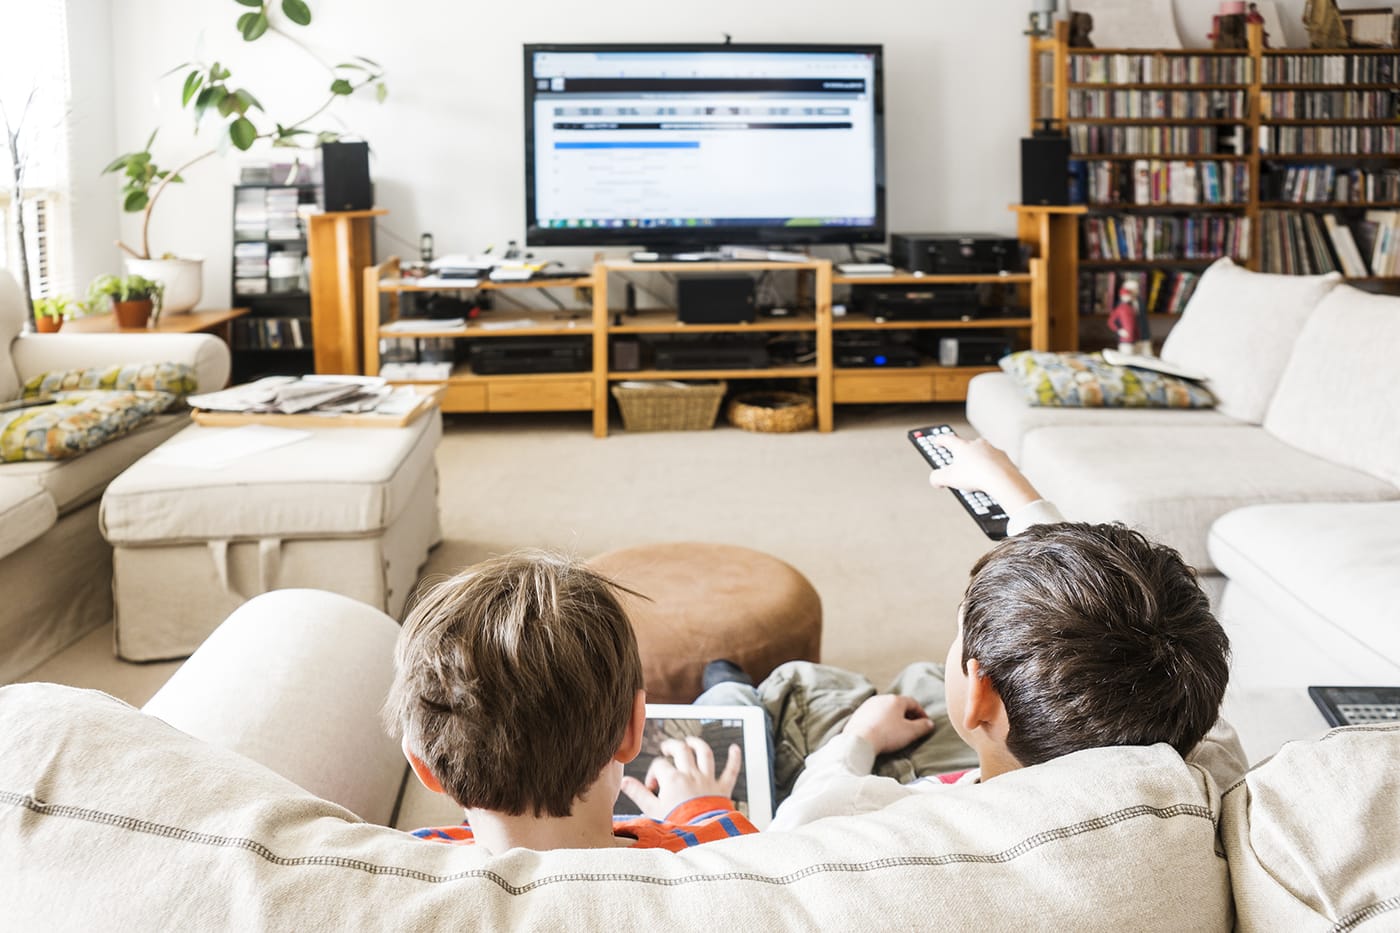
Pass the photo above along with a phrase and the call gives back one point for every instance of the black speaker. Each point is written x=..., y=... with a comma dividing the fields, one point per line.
x=715, y=299
x=345, y=177
x=1045, y=169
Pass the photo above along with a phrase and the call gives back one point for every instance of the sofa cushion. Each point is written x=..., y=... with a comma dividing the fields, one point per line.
x=176, y=378
x=1173, y=484
x=1340, y=397
x=1239, y=327
x=79, y=480
x=26, y=512
x=11, y=322
x=1084, y=380
x=338, y=481
x=74, y=423
x=999, y=411
x=1337, y=563
x=1313, y=835
x=109, y=817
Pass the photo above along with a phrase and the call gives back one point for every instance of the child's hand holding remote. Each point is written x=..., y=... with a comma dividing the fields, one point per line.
x=977, y=465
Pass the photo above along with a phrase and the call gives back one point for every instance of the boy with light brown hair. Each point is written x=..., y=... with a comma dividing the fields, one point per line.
x=518, y=692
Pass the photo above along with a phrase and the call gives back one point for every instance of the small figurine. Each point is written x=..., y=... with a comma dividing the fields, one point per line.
x=1080, y=25
x=1228, y=29
x=1127, y=321
x=1254, y=16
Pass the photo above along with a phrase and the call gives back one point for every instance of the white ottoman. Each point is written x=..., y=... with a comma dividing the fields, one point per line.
x=350, y=510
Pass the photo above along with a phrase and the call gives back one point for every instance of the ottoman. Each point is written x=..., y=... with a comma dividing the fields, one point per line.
x=708, y=601
x=351, y=510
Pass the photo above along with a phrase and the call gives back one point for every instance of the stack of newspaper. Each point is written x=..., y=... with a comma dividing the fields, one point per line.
x=291, y=394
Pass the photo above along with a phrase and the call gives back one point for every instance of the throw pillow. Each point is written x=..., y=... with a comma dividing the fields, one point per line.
x=75, y=422
x=174, y=378
x=1084, y=380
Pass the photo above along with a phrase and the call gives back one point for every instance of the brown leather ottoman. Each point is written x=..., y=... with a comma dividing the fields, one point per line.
x=711, y=601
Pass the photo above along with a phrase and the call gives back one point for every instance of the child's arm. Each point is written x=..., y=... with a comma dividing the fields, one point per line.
x=977, y=465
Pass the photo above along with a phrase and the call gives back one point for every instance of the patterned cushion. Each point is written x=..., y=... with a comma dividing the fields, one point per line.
x=1084, y=380
x=174, y=378
x=75, y=423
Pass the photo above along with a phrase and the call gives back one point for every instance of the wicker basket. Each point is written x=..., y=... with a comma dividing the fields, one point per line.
x=669, y=406
x=775, y=412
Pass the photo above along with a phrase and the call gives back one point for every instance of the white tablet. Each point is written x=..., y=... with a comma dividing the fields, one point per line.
x=720, y=727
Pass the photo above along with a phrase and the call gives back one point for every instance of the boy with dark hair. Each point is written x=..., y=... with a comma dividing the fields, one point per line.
x=518, y=691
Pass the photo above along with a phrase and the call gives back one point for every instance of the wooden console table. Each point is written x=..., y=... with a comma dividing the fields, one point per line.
x=191, y=322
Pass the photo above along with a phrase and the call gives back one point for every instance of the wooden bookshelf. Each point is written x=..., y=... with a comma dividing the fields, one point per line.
x=1064, y=93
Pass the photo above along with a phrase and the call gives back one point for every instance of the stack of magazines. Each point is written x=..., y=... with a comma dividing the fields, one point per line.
x=290, y=395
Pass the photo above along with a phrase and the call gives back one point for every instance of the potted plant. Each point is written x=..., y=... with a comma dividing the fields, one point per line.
x=207, y=93
x=134, y=299
x=50, y=313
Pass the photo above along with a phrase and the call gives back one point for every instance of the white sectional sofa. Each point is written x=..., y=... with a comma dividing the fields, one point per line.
x=257, y=790
x=55, y=568
x=1288, y=489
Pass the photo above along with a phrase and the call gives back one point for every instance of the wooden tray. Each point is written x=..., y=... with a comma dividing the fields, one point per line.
x=427, y=401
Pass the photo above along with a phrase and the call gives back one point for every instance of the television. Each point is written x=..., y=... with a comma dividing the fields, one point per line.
x=671, y=146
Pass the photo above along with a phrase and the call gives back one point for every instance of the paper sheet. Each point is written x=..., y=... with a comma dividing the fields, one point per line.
x=214, y=448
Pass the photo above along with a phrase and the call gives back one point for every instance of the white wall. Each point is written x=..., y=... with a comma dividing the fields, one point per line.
x=92, y=141
x=448, y=142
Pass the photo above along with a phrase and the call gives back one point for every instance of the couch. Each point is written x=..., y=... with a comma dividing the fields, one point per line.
x=55, y=568
x=1284, y=495
x=257, y=790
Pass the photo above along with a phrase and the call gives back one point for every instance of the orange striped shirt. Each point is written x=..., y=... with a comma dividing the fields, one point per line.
x=698, y=820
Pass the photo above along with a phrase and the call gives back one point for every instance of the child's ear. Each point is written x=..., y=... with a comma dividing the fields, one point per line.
x=425, y=776
x=984, y=708
x=631, y=745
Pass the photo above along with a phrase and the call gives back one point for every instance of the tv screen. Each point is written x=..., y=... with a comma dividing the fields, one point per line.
x=703, y=145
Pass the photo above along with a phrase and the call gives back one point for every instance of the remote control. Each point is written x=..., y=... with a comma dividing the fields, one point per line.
x=1351, y=706
x=985, y=510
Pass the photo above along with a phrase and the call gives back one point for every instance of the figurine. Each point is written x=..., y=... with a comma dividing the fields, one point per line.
x=1324, y=23
x=1128, y=321
x=1080, y=25
x=1254, y=16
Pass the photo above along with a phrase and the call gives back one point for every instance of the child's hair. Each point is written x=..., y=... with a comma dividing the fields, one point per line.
x=1094, y=636
x=515, y=680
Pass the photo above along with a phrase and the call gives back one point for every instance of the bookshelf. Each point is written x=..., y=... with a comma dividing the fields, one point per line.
x=1286, y=160
x=269, y=278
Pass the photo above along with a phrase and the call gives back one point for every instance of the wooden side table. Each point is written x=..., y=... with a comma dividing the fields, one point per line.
x=216, y=322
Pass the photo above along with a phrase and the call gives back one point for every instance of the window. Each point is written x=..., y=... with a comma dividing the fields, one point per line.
x=34, y=97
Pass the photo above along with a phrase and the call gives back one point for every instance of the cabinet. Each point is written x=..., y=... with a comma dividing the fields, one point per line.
x=268, y=278
x=1182, y=156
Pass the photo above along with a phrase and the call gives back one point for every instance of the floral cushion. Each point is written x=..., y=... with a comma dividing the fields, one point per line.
x=75, y=422
x=1084, y=380
x=174, y=378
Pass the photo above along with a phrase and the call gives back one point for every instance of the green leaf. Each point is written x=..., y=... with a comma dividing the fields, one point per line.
x=192, y=84
x=327, y=136
x=368, y=61
x=297, y=11
x=228, y=104
x=135, y=201
x=151, y=140
x=256, y=3
x=177, y=179
x=341, y=86
x=381, y=91
x=118, y=162
x=246, y=100
x=355, y=65
x=217, y=73
x=252, y=25
x=241, y=133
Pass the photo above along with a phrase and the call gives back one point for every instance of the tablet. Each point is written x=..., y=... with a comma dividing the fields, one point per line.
x=720, y=727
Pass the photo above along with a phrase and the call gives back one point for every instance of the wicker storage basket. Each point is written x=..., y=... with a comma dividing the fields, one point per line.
x=776, y=412
x=669, y=406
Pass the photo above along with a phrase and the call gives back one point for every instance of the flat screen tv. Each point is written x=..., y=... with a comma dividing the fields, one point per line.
x=687, y=146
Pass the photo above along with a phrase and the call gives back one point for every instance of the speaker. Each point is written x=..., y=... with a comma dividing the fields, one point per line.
x=1045, y=169
x=715, y=299
x=345, y=177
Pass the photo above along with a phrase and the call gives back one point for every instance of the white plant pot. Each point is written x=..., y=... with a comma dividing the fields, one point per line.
x=183, y=280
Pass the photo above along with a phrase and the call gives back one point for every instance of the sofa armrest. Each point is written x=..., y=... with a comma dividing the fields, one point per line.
x=294, y=680
x=35, y=354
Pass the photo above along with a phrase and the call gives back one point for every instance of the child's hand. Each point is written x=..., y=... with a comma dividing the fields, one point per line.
x=689, y=772
x=977, y=465
x=889, y=722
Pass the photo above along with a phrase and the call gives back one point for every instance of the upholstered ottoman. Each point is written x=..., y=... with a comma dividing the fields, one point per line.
x=350, y=510
x=708, y=601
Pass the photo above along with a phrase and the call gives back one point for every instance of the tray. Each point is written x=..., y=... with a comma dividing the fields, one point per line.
x=428, y=398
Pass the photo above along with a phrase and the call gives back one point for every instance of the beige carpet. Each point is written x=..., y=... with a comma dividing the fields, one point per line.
x=850, y=509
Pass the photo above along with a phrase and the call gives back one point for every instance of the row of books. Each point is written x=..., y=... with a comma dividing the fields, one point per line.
x=1303, y=184
x=1161, y=291
x=266, y=214
x=271, y=333
x=1297, y=243
x=1331, y=69
x=1132, y=68
x=1151, y=237
x=1156, y=140
x=1158, y=104
x=1158, y=181
x=1328, y=105
x=1331, y=140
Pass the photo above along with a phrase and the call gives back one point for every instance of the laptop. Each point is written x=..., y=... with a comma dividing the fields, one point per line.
x=720, y=727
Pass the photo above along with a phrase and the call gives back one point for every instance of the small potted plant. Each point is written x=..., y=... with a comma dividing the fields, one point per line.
x=50, y=313
x=135, y=300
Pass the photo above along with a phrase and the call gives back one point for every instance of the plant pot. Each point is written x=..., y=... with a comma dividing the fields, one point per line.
x=183, y=280
x=132, y=314
x=48, y=325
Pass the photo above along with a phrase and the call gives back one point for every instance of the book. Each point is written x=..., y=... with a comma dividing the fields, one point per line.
x=1345, y=246
x=1138, y=361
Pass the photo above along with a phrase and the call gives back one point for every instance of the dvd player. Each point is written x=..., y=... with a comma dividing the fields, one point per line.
x=507, y=356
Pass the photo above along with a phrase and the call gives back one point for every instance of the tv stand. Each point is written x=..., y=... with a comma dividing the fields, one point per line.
x=720, y=254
